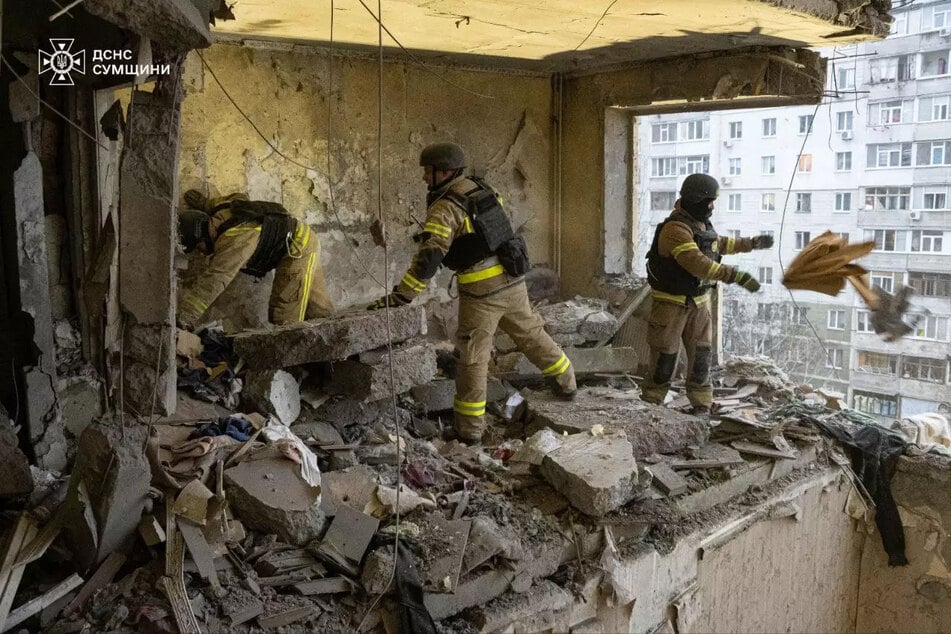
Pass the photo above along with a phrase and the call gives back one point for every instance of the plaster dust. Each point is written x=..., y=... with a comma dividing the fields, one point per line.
x=286, y=95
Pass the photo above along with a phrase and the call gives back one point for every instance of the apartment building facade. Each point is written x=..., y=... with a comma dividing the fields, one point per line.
x=871, y=162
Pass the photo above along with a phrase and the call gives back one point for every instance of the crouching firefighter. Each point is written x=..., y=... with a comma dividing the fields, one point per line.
x=683, y=265
x=253, y=237
x=468, y=231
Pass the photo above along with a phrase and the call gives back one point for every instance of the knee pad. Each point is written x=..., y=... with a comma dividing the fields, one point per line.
x=666, y=364
x=700, y=373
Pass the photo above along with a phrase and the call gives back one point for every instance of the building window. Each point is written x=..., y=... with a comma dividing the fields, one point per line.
x=886, y=112
x=768, y=164
x=802, y=239
x=843, y=121
x=886, y=239
x=663, y=201
x=803, y=203
x=843, y=201
x=764, y=312
x=734, y=202
x=891, y=69
x=844, y=235
x=836, y=320
x=889, y=155
x=930, y=284
x=736, y=234
x=664, y=133
x=924, y=369
x=695, y=164
x=805, y=123
x=934, y=108
x=698, y=130
x=736, y=129
x=899, y=24
x=933, y=153
x=934, y=63
x=679, y=165
x=935, y=200
x=736, y=167
x=884, y=281
x=834, y=358
x=845, y=78
x=768, y=202
x=931, y=327
x=872, y=403
x=876, y=362
x=769, y=127
x=765, y=275
x=863, y=321
x=805, y=163
x=799, y=316
x=843, y=161
x=926, y=241
x=936, y=17
x=887, y=198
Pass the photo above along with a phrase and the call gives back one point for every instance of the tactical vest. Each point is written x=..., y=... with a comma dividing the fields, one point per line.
x=492, y=231
x=666, y=275
x=277, y=228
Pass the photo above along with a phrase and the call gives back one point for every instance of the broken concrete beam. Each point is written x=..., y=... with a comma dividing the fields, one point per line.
x=268, y=494
x=545, y=607
x=650, y=429
x=330, y=585
x=15, y=476
x=667, y=481
x=369, y=378
x=596, y=473
x=446, y=543
x=437, y=395
x=585, y=361
x=598, y=326
x=287, y=617
x=567, y=317
x=273, y=392
x=179, y=25
x=343, y=413
x=108, y=490
x=329, y=339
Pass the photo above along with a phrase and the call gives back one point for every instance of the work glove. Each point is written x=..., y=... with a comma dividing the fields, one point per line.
x=763, y=241
x=746, y=280
x=393, y=299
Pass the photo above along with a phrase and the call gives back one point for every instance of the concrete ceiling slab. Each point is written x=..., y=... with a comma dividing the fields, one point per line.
x=560, y=34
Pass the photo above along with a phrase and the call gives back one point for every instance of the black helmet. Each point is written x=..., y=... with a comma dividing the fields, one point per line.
x=193, y=228
x=699, y=187
x=443, y=156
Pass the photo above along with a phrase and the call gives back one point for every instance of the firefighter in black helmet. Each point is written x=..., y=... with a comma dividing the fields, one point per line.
x=467, y=230
x=683, y=265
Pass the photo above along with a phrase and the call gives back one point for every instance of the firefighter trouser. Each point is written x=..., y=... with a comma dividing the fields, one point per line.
x=509, y=310
x=300, y=291
x=668, y=325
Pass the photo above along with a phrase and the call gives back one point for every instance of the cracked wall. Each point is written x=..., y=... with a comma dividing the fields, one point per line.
x=286, y=93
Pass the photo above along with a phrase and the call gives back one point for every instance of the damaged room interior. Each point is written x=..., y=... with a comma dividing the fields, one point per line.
x=360, y=316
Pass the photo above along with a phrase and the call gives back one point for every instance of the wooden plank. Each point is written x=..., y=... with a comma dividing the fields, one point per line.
x=668, y=481
x=244, y=612
x=762, y=450
x=102, y=577
x=174, y=580
x=632, y=305
x=287, y=617
x=35, y=606
x=38, y=546
x=201, y=552
x=20, y=534
x=330, y=585
x=704, y=464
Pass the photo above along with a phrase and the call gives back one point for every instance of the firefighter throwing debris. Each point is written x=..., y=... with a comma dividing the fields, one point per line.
x=468, y=231
x=254, y=237
x=683, y=265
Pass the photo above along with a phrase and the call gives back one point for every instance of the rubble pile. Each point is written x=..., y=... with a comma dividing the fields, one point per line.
x=286, y=511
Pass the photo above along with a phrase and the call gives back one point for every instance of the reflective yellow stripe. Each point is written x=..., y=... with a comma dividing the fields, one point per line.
x=686, y=246
x=469, y=408
x=478, y=276
x=667, y=297
x=302, y=235
x=730, y=245
x=714, y=269
x=414, y=283
x=558, y=367
x=307, y=281
x=196, y=303
x=440, y=230
x=236, y=230
x=468, y=225
x=702, y=299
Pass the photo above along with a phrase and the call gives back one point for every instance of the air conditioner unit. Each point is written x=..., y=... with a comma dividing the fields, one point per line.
x=846, y=135
x=914, y=215
x=945, y=32
x=725, y=180
x=728, y=144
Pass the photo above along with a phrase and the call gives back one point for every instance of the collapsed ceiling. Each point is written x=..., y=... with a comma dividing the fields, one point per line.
x=561, y=35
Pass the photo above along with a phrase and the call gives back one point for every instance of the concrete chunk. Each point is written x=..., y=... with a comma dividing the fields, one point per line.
x=546, y=607
x=15, y=476
x=327, y=339
x=596, y=473
x=273, y=392
x=437, y=396
x=584, y=360
x=369, y=378
x=268, y=494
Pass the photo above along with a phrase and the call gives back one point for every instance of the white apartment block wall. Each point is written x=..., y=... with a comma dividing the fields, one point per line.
x=879, y=170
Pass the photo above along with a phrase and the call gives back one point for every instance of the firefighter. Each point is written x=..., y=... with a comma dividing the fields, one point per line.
x=254, y=237
x=468, y=231
x=683, y=265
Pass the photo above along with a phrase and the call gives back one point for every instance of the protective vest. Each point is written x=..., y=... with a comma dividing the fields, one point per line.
x=277, y=228
x=492, y=232
x=665, y=274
